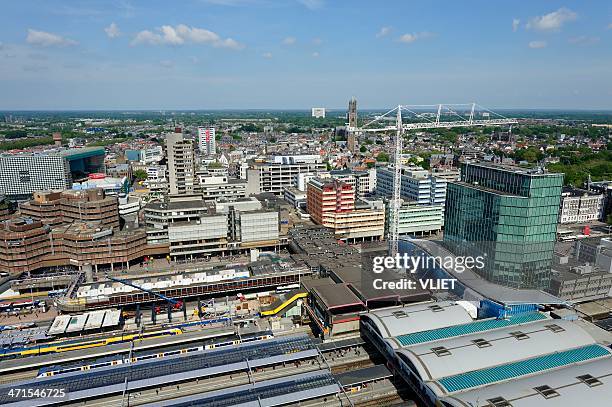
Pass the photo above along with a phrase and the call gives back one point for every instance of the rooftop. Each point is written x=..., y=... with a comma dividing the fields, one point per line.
x=413, y=319
x=337, y=296
x=568, y=390
x=79, y=153
x=514, y=370
x=532, y=171
x=466, y=329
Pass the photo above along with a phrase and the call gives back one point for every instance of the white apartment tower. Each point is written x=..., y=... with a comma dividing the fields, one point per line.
x=181, y=163
x=206, y=140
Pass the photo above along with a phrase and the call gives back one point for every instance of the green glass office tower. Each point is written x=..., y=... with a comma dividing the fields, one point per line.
x=509, y=215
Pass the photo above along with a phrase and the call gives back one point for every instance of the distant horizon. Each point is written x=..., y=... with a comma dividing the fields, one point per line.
x=307, y=109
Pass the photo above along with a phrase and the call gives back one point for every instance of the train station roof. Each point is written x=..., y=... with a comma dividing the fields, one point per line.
x=363, y=375
x=483, y=350
x=337, y=296
x=399, y=321
x=520, y=360
x=566, y=387
x=274, y=392
x=170, y=369
x=84, y=322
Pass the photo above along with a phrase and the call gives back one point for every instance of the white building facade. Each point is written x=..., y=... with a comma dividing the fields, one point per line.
x=206, y=140
x=579, y=206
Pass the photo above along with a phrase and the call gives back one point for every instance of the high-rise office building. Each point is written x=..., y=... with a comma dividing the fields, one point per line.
x=206, y=140
x=181, y=163
x=279, y=172
x=509, y=216
x=364, y=181
x=332, y=203
x=23, y=174
x=417, y=185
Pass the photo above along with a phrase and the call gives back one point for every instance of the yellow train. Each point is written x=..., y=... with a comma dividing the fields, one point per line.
x=94, y=364
x=87, y=344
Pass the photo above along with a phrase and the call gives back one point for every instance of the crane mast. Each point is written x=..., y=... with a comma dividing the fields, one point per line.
x=400, y=128
x=396, y=200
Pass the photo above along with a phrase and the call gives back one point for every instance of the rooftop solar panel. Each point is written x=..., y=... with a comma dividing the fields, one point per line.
x=466, y=329
x=172, y=365
x=524, y=367
x=242, y=397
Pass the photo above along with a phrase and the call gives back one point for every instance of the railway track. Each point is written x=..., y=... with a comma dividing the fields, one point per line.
x=386, y=400
x=16, y=377
x=346, y=367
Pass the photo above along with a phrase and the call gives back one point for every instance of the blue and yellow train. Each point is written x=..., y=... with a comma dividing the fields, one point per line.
x=110, y=361
x=84, y=344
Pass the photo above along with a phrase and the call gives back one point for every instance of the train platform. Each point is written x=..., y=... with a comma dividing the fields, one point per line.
x=161, y=372
x=21, y=337
x=34, y=362
x=274, y=392
x=168, y=350
x=364, y=375
x=341, y=344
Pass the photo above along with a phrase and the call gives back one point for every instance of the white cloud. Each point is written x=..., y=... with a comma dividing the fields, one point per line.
x=146, y=37
x=289, y=41
x=315, y=54
x=552, y=21
x=383, y=32
x=317, y=41
x=267, y=55
x=515, y=24
x=181, y=34
x=312, y=4
x=112, y=31
x=410, y=38
x=537, y=44
x=583, y=40
x=46, y=39
x=609, y=26
x=166, y=64
x=170, y=36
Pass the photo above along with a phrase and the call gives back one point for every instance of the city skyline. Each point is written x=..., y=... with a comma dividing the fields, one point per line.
x=85, y=55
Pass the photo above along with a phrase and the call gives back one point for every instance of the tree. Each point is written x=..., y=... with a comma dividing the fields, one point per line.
x=530, y=155
x=140, y=175
x=382, y=157
x=25, y=143
x=363, y=149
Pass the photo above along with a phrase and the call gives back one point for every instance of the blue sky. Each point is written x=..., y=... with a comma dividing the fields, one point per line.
x=214, y=54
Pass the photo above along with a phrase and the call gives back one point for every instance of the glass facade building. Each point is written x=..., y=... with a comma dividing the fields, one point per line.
x=508, y=215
